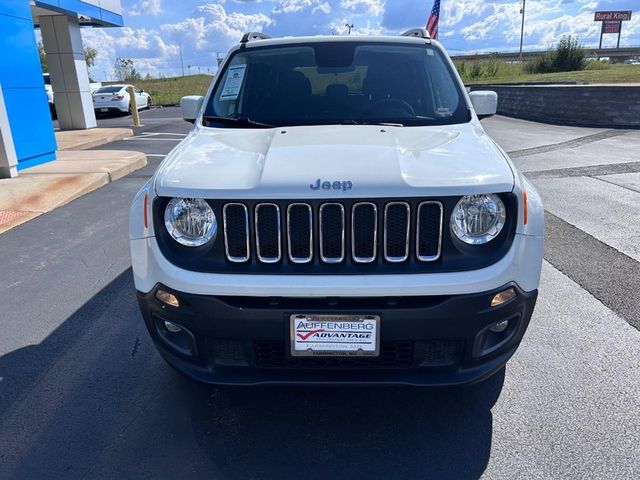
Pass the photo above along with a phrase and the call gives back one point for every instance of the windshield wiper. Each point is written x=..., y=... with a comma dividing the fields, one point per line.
x=239, y=121
x=355, y=122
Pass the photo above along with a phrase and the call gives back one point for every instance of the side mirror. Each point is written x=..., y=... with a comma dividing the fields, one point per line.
x=485, y=103
x=191, y=107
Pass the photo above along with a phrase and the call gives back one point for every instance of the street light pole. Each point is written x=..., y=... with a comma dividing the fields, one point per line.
x=181, y=62
x=349, y=26
x=524, y=2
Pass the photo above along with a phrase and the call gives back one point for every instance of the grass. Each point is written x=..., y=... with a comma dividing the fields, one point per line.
x=596, y=72
x=169, y=91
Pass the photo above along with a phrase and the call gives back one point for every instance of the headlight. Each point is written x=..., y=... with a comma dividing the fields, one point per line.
x=190, y=221
x=478, y=219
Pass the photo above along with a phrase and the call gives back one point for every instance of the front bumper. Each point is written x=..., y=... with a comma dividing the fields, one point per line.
x=425, y=340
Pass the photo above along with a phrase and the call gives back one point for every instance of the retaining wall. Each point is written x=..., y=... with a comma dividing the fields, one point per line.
x=607, y=106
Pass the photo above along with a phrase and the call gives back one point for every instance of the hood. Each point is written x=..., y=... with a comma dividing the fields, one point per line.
x=334, y=162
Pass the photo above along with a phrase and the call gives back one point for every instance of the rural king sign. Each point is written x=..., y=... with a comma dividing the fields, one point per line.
x=619, y=16
x=612, y=22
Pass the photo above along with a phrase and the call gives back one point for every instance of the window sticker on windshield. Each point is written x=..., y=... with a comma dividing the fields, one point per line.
x=430, y=52
x=233, y=84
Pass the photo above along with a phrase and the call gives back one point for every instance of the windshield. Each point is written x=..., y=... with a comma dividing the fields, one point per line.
x=107, y=90
x=337, y=83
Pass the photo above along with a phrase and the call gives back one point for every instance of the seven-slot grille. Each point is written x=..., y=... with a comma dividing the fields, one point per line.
x=338, y=232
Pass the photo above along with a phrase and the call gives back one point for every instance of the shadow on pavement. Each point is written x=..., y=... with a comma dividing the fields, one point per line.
x=94, y=400
x=346, y=432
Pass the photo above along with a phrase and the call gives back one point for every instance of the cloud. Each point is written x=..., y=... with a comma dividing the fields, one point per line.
x=151, y=53
x=204, y=27
x=301, y=17
x=213, y=26
x=545, y=22
x=296, y=6
x=146, y=7
x=364, y=7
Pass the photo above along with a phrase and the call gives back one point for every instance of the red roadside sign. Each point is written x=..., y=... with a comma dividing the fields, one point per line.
x=611, y=26
x=612, y=22
x=618, y=15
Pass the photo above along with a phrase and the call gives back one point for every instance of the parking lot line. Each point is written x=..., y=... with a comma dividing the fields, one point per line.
x=153, y=134
x=153, y=139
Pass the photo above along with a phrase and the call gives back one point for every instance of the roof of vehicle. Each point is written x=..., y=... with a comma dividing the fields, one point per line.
x=257, y=39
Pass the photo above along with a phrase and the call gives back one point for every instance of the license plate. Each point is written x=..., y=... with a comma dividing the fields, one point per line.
x=104, y=109
x=334, y=335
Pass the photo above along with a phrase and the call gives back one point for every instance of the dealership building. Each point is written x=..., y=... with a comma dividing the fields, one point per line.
x=26, y=128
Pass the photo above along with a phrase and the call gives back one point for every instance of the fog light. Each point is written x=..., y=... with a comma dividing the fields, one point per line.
x=168, y=298
x=503, y=297
x=172, y=327
x=500, y=327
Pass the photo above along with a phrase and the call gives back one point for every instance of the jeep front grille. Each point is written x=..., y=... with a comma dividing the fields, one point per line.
x=333, y=232
x=236, y=232
x=364, y=236
x=396, y=231
x=300, y=232
x=268, y=233
x=428, y=238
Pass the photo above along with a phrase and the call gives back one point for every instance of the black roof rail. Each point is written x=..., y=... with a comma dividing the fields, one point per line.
x=418, y=33
x=250, y=36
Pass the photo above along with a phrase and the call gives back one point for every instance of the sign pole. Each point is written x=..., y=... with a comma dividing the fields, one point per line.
x=601, y=35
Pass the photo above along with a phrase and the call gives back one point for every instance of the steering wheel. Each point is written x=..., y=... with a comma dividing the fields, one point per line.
x=392, y=106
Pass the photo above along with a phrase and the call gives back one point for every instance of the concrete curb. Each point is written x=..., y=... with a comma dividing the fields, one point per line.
x=114, y=165
x=43, y=188
x=85, y=139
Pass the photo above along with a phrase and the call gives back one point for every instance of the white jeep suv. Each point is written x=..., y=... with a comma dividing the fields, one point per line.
x=337, y=214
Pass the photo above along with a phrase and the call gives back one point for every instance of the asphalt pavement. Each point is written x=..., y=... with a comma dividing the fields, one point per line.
x=83, y=393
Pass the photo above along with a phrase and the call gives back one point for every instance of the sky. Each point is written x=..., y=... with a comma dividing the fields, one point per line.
x=157, y=30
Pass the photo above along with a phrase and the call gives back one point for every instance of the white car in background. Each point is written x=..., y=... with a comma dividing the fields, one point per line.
x=115, y=99
x=93, y=86
x=49, y=89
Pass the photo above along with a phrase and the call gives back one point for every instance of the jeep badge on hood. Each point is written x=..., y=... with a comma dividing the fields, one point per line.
x=344, y=185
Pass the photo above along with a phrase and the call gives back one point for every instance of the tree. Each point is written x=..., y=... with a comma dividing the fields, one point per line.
x=124, y=70
x=43, y=57
x=90, y=55
x=568, y=56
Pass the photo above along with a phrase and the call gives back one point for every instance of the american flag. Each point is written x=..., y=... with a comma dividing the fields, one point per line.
x=432, y=24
